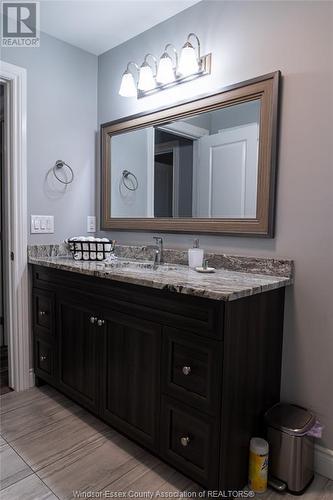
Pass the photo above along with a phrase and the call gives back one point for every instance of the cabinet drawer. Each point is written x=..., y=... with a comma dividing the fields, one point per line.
x=190, y=442
x=44, y=358
x=192, y=369
x=43, y=311
x=197, y=314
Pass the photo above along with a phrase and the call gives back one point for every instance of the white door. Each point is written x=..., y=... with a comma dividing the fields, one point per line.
x=227, y=171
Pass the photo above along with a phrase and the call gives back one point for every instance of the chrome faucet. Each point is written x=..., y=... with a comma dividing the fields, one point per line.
x=159, y=257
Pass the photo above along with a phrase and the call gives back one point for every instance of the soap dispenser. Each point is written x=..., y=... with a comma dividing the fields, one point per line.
x=195, y=255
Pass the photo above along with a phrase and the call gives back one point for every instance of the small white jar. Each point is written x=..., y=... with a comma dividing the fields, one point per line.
x=195, y=255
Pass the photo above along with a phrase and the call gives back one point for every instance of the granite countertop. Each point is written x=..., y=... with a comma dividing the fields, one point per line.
x=224, y=284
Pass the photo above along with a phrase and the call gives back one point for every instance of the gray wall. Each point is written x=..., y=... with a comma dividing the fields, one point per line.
x=248, y=39
x=129, y=152
x=62, y=122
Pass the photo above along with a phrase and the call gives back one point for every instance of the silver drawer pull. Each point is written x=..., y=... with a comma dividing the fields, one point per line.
x=186, y=370
x=92, y=320
x=43, y=357
x=100, y=322
x=185, y=441
x=42, y=313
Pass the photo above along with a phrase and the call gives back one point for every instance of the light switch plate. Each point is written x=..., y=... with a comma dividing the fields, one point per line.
x=42, y=224
x=91, y=224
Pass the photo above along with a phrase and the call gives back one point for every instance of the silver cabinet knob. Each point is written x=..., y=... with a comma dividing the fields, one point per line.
x=100, y=322
x=185, y=441
x=43, y=357
x=186, y=370
x=92, y=320
x=42, y=313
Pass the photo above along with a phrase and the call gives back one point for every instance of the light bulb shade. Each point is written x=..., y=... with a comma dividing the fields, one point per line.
x=146, y=78
x=188, y=63
x=127, y=86
x=165, y=72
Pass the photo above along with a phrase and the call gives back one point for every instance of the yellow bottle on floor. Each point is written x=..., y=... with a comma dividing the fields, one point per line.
x=258, y=465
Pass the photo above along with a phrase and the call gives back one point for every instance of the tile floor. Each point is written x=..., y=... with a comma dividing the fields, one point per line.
x=51, y=448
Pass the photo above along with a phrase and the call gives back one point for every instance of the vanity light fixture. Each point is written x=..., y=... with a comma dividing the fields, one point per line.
x=146, y=76
x=189, y=63
x=128, y=86
x=168, y=72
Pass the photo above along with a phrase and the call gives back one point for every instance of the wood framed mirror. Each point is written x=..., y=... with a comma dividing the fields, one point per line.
x=203, y=166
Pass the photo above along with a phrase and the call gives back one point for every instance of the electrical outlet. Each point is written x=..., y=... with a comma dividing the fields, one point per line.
x=42, y=224
x=91, y=224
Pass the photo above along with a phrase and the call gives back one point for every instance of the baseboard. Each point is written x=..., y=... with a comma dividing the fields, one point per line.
x=31, y=377
x=323, y=461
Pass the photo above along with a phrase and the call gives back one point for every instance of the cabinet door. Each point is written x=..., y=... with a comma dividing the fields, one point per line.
x=130, y=400
x=78, y=352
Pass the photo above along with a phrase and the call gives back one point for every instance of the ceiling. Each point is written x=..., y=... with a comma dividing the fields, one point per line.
x=98, y=25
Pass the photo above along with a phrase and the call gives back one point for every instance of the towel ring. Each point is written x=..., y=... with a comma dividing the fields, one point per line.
x=135, y=184
x=61, y=164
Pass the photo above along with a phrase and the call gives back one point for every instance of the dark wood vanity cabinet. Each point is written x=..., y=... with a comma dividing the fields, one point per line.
x=186, y=377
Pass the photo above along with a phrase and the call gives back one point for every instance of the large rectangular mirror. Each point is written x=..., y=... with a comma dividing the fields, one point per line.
x=204, y=166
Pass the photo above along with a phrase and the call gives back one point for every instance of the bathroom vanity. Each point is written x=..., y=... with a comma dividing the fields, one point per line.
x=183, y=364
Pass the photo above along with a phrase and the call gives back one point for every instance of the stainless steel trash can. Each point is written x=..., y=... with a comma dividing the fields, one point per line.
x=290, y=449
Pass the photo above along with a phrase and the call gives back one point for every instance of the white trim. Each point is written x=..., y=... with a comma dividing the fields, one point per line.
x=323, y=461
x=16, y=288
x=184, y=129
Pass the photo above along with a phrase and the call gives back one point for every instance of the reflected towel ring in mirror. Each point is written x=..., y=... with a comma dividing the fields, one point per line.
x=60, y=164
x=129, y=176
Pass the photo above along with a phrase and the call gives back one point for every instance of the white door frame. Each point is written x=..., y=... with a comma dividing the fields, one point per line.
x=17, y=317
